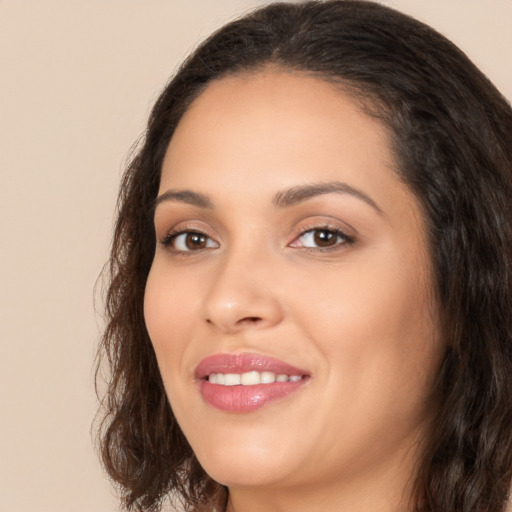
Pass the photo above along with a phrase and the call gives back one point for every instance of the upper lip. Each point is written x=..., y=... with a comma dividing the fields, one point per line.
x=245, y=362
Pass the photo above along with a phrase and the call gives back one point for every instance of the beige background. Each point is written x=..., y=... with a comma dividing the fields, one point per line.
x=77, y=79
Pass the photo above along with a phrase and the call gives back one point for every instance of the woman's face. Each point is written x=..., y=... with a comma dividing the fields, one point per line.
x=288, y=250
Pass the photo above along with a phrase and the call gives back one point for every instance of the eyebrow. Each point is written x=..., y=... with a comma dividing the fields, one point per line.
x=283, y=199
x=184, y=196
x=302, y=193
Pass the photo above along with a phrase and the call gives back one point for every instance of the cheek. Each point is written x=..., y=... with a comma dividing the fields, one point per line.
x=167, y=316
x=367, y=301
x=379, y=338
x=373, y=322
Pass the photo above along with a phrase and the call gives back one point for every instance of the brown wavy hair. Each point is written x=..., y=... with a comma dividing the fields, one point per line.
x=452, y=137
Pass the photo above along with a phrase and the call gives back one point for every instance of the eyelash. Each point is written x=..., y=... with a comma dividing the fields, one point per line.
x=332, y=230
x=171, y=237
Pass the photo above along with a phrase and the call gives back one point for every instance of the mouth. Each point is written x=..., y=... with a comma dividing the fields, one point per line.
x=243, y=383
x=251, y=378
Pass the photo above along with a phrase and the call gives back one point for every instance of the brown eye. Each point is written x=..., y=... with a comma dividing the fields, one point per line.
x=322, y=238
x=195, y=241
x=190, y=241
x=325, y=237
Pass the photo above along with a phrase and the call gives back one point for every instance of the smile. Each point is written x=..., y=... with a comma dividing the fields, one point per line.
x=250, y=378
x=243, y=383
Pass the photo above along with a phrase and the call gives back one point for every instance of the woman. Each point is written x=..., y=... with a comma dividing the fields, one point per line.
x=310, y=288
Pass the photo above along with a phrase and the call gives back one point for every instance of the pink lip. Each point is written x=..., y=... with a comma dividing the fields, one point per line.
x=245, y=398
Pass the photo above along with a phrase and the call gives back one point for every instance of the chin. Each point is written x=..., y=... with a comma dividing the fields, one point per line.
x=244, y=464
x=245, y=473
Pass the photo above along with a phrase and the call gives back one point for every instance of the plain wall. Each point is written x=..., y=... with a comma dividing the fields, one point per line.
x=77, y=79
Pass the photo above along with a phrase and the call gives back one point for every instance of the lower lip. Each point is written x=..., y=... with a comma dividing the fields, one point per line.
x=246, y=398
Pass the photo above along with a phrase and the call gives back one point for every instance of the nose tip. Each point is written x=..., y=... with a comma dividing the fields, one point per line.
x=236, y=303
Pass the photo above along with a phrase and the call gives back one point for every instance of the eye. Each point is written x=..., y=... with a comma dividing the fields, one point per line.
x=187, y=241
x=322, y=238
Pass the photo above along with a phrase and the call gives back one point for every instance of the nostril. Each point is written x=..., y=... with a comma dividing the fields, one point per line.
x=247, y=319
x=250, y=320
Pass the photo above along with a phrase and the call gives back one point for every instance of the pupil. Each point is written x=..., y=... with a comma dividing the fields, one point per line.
x=195, y=241
x=324, y=238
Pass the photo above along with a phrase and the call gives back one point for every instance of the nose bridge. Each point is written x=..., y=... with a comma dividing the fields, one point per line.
x=242, y=292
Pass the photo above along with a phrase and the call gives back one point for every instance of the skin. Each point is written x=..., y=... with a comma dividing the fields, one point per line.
x=359, y=316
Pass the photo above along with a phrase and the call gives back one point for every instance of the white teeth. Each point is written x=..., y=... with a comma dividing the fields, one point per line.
x=267, y=377
x=250, y=378
x=231, y=379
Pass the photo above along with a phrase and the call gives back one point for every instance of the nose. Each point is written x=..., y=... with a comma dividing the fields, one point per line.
x=242, y=295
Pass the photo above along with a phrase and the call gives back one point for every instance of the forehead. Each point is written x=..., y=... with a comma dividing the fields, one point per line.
x=272, y=113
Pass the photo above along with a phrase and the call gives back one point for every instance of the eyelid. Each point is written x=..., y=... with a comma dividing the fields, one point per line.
x=173, y=234
x=177, y=244
x=323, y=225
x=306, y=226
x=195, y=226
